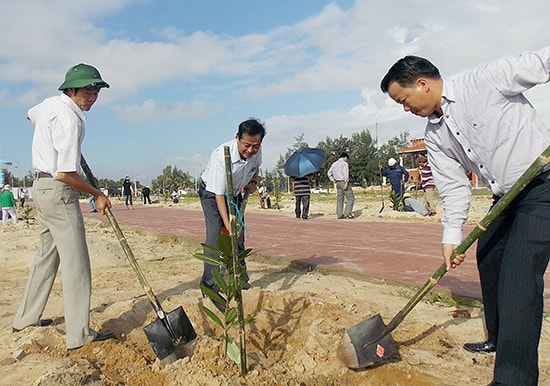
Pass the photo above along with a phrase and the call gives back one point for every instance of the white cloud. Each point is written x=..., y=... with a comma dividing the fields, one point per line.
x=153, y=111
x=217, y=79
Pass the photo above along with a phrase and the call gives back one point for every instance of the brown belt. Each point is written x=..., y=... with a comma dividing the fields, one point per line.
x=38, y=175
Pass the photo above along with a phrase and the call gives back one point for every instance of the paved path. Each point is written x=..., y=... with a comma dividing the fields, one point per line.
x=408, y=252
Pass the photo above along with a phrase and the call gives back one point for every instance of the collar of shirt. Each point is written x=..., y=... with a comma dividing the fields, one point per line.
x=242, y=170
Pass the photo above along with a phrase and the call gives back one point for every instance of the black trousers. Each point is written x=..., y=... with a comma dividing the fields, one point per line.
x=512, y=256
x=302, y=206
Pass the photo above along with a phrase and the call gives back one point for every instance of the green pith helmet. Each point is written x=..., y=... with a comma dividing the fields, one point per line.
x=82, y=76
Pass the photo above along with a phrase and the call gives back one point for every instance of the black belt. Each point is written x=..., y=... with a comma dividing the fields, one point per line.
x=38, y=175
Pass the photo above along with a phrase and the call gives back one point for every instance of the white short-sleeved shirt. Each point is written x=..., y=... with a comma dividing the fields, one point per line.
x=214, y=175
x=58, y=135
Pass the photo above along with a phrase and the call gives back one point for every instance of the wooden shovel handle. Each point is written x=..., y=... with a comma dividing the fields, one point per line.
x=529, y=175
x=125, y=246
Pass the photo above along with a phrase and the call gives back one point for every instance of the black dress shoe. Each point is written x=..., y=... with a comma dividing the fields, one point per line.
x=101, y=336
x=41, y=323
x=480, y=347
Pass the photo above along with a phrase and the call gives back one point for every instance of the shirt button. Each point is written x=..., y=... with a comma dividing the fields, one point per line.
x=457, y=133
x=469, y=150
x=481, y=166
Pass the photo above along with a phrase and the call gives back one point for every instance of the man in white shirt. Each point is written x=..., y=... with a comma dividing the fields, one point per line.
x=246, y=158
x=338, y=173
x=482, y=122
x=59, y=131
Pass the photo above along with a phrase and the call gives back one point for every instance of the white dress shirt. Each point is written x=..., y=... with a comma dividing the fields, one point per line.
x=488, y=127
x=58, y=135
x=338, y=171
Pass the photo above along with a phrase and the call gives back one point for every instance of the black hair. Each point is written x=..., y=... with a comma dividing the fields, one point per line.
x=344, y=155
x=251, y=127
x=407, y=70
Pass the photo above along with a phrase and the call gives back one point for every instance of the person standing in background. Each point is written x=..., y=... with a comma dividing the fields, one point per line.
x=338, y=173
x=427, y=184
x=301, y=187
x=397, y=175
x=22, y=197
x=128, y=192
x=146, y=195
x=7, y=201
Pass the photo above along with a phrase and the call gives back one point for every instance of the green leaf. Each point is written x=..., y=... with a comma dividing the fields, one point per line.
x=244, y=254
x=230, y=315
x=211, y=249
x=220, y=281
x=249, y=320
x=224, y=244
x=208, y=259
x=212, y=316
x=233, y=351
x=212, y=294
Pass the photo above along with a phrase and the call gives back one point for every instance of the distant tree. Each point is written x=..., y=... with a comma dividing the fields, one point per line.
x=170, y=179
x=363, y=158
x=111, y=185
x=389, y=149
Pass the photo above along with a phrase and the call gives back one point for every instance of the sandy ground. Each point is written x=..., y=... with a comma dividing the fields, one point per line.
x=300, y=317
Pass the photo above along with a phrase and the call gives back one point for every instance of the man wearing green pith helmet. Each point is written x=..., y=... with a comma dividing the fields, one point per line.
x=59, y=132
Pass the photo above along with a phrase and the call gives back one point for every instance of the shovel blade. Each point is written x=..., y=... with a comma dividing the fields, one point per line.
x=366, y=344
x=161, y=339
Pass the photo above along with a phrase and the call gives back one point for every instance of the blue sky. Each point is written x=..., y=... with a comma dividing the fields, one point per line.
x=183, y=73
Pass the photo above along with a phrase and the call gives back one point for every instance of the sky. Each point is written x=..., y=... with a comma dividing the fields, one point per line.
x=185, y=73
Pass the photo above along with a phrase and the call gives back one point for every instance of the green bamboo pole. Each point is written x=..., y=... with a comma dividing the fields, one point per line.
x=235, y=252
x=532, y=171
x=129, y=254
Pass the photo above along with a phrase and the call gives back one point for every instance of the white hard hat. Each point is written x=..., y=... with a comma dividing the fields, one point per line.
x=392, y=162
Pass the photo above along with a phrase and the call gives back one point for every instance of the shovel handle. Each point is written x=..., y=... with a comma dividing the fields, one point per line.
x=125, y=246
x=529, y=175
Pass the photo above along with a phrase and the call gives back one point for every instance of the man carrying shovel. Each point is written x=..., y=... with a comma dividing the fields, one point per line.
x=482, y=122
x=59, y=131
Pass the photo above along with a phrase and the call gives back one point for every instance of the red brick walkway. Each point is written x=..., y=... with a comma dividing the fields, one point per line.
x=408, y=252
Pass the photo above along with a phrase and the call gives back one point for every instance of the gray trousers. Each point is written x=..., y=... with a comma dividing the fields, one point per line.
x=214, y=222
x=340, y=195
x=62, y=242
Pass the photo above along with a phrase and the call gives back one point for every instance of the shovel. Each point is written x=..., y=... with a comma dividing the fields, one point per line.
x=169, y=332
x=369, y=341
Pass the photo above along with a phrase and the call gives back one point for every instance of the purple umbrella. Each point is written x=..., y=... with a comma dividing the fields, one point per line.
x=304, y=161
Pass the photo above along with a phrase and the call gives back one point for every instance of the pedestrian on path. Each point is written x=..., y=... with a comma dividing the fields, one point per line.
x=59, y=131
x=301, y=187
x=8, y=204
x=146, y=192
x=128, y=192
x=22, y=197
x=246, y=159
x=481, y=121
x=427, y=184
x=93, y=206
x=338, y=173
